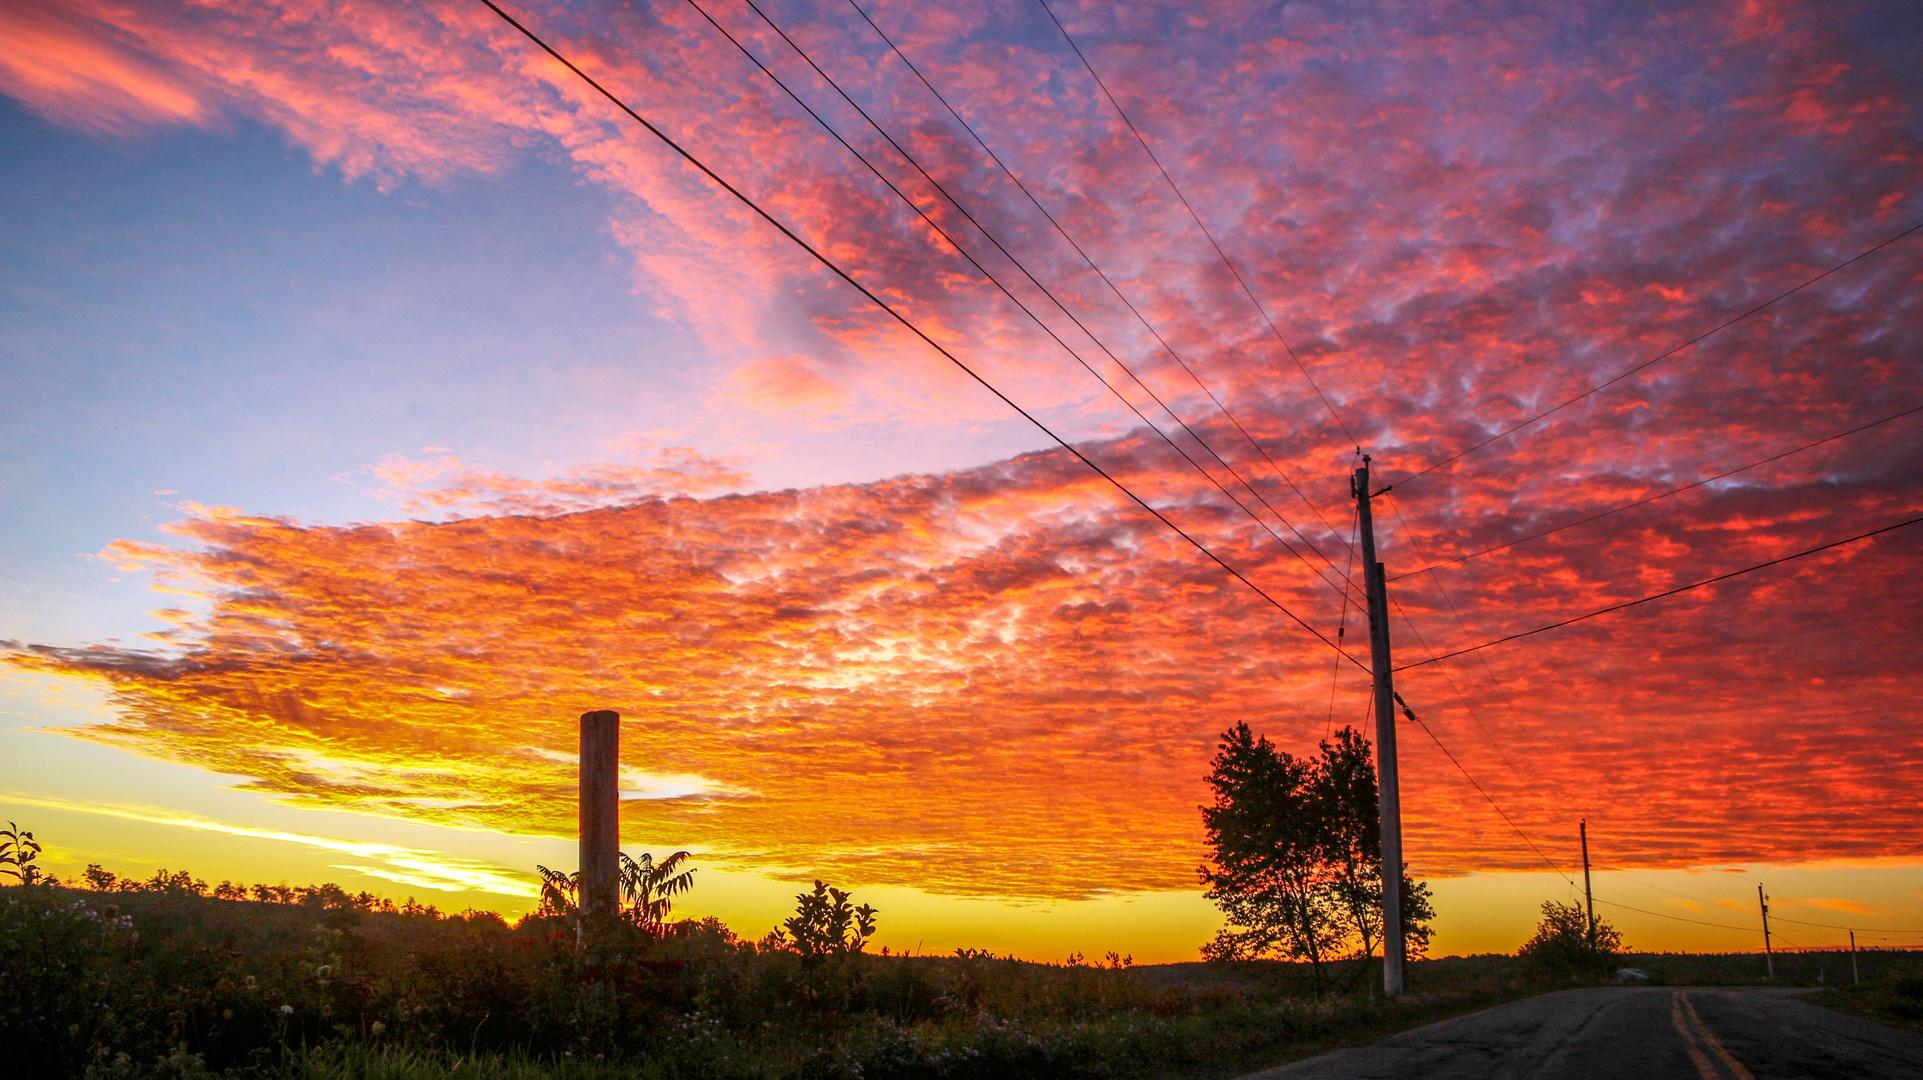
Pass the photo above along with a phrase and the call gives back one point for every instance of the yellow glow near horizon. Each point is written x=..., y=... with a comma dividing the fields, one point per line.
x=93, y=803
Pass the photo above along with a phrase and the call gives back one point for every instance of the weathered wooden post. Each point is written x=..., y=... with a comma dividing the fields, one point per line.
x=600, y=888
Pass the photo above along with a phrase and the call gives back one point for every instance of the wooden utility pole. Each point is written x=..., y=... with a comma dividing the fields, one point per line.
x=1769, y=958
x=1377, y=589
x=599, y=894
x=1855, y=977
x=1588, y=898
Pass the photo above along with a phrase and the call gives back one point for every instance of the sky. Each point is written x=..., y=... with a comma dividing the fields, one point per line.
x=380, y=398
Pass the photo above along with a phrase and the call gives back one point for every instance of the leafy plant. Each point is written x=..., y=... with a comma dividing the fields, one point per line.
x=648, y=888
x=18, y=850
x=559, y=892
x=825, y=924
x=1566, y=942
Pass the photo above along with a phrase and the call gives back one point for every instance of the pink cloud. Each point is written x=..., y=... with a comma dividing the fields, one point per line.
x=1457, y=222
x=447, y=485
x=76, y=73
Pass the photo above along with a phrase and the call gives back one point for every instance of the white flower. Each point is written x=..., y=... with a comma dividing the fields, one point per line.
x=287, y=1010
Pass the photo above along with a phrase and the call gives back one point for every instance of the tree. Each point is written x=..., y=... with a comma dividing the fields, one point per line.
x=1295, y=848
x=1266, y=842
x=824, y=924
x=1567, y=944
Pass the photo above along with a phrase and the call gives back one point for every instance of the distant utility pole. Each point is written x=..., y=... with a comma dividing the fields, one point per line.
x=1588, y=898
x=599, y=892
x=1855, y=978
x=1769, y=958
x=1376, y=586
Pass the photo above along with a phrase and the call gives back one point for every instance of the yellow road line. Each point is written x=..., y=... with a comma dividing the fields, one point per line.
x=1688, y=1035
x=1735, y=1067
x=1696, y=1038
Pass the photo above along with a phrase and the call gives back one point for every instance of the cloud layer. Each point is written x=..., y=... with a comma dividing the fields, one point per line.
x=1005, y=680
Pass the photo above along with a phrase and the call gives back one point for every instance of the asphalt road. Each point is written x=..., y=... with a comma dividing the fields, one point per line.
x=1641, y=1033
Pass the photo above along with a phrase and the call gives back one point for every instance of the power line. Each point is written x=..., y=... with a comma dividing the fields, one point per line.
x=1667, y=592
x=1650, y=499
x=1460, y=454
x=1342, y=627
x=875, y=299
x=1197, y=218
x=1100, y=273
x=1832, y=926
x=1774, y=918
x=993, y=279
x=1678, y=918
x=1417, y=720
x=1460, y=696
x=1395, y=506
x=1624, y=874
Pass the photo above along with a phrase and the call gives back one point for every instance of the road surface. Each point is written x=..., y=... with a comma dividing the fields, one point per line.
x=1640, y=1033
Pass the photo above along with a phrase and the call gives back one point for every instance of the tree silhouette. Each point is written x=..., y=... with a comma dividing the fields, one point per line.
x=1295, y=846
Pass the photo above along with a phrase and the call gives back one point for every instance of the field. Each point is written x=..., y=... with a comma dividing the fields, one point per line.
x=160, y=979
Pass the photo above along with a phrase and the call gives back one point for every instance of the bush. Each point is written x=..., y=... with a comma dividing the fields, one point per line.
x=165, y=977
x=1566, y=944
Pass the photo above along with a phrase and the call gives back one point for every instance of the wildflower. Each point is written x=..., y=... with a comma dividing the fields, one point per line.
x=226, y=1014
x=287, y=1010
x=379, y=1028
x=250, y=982
x=323, y=971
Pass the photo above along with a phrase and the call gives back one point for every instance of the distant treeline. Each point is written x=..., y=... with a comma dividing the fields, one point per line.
x=328, y=895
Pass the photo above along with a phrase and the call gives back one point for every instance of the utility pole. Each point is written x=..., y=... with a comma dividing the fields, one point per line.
x=1769, y=958
x=1388, y=790
x=1855, y=978
x=599, y=892
x=1588, y=898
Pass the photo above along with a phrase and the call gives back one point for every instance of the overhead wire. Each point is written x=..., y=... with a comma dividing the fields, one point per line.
x=1197, y=218
x=847, y=277
x=1833, y=926
x=1416, y=541
x=1624, y=874
x=1342, y=627
x=988, y=234
x=1089, y=260
x=1774, y=918
x=1666, y=593
x=1511, y=430
x=1652, y=498
x=1480, y=790
x=1658, y=358
x=908, y=324
x=1678, y=918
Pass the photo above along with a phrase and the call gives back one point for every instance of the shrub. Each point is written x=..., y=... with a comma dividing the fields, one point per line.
x=1567, y=944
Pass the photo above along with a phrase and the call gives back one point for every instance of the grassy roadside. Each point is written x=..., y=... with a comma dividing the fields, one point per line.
x=1897, y=1002
x=163, y=980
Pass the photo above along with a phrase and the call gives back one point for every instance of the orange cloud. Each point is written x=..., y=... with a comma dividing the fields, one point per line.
x=785, y=382
x=445, y=484
x=1001, y=682
x=77, y=74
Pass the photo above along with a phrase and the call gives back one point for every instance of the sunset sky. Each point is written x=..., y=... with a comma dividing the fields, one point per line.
x=378, y=398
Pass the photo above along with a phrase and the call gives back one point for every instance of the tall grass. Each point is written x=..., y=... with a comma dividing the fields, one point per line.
x=170, y=982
